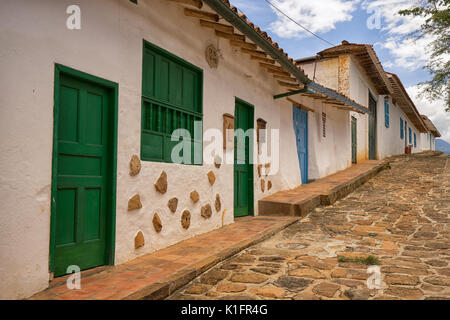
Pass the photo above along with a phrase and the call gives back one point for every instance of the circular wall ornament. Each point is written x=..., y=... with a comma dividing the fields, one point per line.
x=212, y=56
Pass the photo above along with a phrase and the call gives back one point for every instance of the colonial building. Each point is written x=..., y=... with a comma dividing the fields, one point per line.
x=91, y=96
x=393, y=124
x=427, y=140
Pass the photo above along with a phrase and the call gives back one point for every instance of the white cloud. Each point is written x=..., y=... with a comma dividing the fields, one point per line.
x=317, y=16
x=433, y=110
x=410, y=54
x=406, y=52
x=394, y=23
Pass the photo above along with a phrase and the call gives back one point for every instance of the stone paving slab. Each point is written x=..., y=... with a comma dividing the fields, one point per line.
x=157, y=275
x=301, y=200
x=398, y=221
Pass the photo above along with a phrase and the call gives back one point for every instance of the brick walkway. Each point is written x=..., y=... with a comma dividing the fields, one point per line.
x=399, y=220
x=299, y=201
x=156, y=275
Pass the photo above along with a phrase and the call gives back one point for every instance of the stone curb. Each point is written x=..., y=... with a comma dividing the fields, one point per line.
x=348, y=187
x=162, y=289
x=303, y=207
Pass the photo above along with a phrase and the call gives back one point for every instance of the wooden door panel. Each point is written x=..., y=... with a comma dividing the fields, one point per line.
x=243, y=184
x=300, y=118
x=81, y=201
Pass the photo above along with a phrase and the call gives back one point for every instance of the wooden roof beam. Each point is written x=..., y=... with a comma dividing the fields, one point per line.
x=195, y=3
x=234, y=36
x=289, y=85
x=201, y=14
x=297, y=104
x=272, y=67
x=257, y=53
x=334, y=103
x=287, y=78
x=280, y=73
x=266, y=60
x=242, y=44
x=217, y=26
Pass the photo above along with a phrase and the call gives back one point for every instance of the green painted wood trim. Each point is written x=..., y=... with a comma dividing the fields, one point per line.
x=184, y=63
x=290, y=93
x=111, y=225
x=171, y=56
x=250, y=156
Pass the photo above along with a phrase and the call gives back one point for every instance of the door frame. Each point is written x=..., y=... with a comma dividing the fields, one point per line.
x=111, y=212
x=251, y=196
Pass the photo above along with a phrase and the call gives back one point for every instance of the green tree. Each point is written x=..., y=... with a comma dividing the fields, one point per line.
x=437, y=24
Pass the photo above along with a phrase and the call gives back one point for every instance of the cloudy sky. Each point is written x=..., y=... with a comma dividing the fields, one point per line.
x=358, y=21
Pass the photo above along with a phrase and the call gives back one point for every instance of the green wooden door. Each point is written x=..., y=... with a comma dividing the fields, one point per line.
x=243, y=170
x=372, y=128
x=354, y=143
x=82, y=199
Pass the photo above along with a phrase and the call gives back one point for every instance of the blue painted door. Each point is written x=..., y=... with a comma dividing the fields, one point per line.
x=301, y=134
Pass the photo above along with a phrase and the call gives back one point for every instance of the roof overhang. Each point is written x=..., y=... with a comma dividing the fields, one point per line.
x=326, y=96
x=240, y=24
x=430, y=126
x=310, y=88
x=403, y=100
x=367, y=58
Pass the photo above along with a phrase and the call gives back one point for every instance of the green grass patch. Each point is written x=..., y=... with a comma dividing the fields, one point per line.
x=369, y=261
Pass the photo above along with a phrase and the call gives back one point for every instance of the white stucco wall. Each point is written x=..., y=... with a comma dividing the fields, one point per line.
x=425, y=143
x=109, y=45
x=332, y=153
x=360, y=86
x=389, y=139
x=332, y=72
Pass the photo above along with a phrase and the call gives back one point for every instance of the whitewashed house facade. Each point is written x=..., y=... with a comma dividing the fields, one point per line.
x=86, y=120
x=354, y=70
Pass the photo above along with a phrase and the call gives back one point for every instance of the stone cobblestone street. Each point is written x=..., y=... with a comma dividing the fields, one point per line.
x=399, y=220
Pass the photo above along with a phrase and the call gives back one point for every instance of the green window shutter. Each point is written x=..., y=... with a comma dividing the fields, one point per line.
x=171, y=100
x=415, y=141
x=409, y=133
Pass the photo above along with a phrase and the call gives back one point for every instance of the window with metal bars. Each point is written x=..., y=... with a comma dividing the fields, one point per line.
x=171, y=100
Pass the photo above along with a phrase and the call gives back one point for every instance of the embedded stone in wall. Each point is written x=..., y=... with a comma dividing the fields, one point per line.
x=217, y=162
x=139, y=240
x=269, y=185
x=157, y=224
x=135, y=165
x=134, y=203
x=259, y=170
x=218, y=204
x=173, y=204
x=161, y=183
x=267, y=166
x=263, y=184
x=206, y=211
x=194, y=196
x=186, y=219
x=211, y=177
